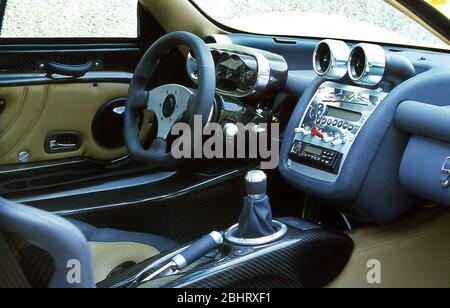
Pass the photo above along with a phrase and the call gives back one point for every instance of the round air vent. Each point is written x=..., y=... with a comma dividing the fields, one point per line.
x=367, y=64
x=330, y=59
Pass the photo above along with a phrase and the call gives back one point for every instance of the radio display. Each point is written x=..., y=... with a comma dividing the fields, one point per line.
x=312, y=150
x=343, y=114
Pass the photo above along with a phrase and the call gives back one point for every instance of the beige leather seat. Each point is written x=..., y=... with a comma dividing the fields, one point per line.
x=113, y=250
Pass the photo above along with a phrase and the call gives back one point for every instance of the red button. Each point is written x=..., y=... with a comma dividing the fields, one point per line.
x=316, y=132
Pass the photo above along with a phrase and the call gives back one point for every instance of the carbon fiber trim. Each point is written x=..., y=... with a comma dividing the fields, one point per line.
x=311, y=261
x=36, y=264
x=182, y=218
x=303, y=259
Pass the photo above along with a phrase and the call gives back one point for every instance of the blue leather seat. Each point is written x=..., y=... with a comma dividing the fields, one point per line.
x=107, y=235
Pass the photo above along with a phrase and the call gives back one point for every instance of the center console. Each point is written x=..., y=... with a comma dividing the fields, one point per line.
x=341, y=144
x=328, y=128
x=258, y=252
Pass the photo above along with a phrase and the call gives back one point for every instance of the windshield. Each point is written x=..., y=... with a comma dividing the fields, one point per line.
x=359, y=20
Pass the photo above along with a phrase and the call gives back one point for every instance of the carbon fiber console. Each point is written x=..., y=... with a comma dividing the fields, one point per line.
x=307, y=256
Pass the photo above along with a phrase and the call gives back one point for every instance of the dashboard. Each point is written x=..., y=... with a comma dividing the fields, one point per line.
x=343, y=143
x=348, y=138
x=355, y=83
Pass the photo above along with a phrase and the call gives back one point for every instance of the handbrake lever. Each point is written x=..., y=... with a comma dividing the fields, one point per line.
x=191, y=254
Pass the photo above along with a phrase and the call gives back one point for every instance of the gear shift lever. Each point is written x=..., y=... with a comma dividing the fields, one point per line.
x=256, y=217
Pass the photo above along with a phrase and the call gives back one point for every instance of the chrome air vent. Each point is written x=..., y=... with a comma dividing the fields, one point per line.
x=330, y=59
x=367, y=64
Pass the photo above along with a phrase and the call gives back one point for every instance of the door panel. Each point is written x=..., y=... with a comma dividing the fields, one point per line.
x=34, y=112
x=38, y=105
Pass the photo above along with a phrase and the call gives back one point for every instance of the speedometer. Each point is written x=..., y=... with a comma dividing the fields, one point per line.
x=236, y=73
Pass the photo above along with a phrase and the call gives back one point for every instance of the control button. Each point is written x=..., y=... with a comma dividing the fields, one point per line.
x=351, y=127
x=318, y=121
x=340, y=124
x=345, y=126
x=329, y=122
x=324, y=121
x=335, y=122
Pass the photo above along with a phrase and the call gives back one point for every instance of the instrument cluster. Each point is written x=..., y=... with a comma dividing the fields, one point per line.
x=242, y=71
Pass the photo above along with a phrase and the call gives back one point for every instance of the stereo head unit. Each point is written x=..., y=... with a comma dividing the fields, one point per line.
x=330, y=124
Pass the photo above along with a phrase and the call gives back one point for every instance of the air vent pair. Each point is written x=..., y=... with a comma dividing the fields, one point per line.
x=365, y=64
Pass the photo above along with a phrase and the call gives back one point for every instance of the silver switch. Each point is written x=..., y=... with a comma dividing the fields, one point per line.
x=337, y=142
x=303, y=131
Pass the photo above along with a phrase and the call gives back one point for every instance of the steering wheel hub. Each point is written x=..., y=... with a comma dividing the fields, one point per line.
x=169, y=105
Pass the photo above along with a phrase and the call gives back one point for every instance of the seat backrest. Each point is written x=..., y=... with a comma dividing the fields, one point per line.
x=62, y=241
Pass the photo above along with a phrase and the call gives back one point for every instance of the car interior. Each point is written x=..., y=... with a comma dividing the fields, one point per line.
x=88, y=179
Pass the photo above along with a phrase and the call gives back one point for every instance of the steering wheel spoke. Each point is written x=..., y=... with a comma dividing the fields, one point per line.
x=169, y=103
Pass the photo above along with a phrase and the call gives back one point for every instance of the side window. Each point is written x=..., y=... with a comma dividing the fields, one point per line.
x=26, y=19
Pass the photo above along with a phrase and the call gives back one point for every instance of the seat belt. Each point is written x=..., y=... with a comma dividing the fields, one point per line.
x=11, y=274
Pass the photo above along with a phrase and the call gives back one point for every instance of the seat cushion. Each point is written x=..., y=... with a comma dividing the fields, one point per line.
x=107, y=257
x=111, y=248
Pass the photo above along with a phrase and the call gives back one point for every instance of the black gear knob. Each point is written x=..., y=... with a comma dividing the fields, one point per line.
x=256, y=184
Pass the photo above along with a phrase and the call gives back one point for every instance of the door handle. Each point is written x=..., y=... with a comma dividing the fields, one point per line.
x=73, y=71
x=62, y=142
x=56, y=146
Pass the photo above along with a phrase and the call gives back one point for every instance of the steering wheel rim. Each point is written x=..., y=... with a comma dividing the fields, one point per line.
x=168, y=101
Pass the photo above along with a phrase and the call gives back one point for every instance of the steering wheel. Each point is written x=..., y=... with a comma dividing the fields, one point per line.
x=169, y=102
